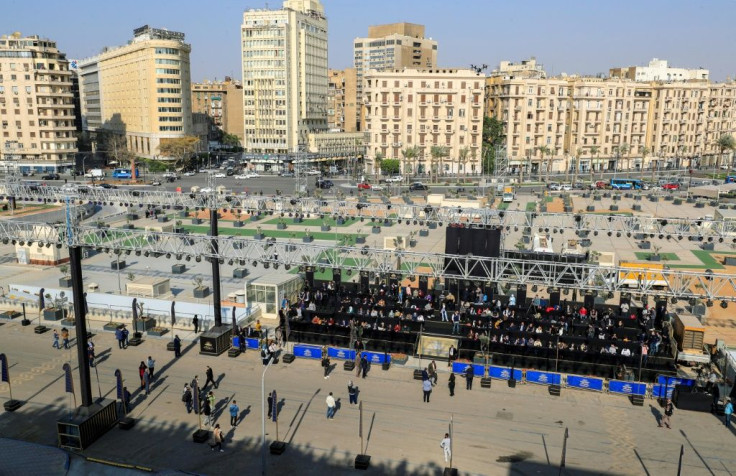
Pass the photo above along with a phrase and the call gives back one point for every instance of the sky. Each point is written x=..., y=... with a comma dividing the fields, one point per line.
x=566, y=36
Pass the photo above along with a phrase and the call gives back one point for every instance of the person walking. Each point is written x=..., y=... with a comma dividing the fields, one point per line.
x=141, y=372
x=210, y=377
x=151, y=364
x=91, y=354
x=217, y=435
x=446, y=446
x=147, y=380
x=65, y=337
x=56, y=345
x=352, y=393
x=326, y=363
x=727, y=411
x=331, y=406
x=119, y=336
x=234, y=410
x=186, y=397
x=669, y=409
x=358, y=360
x=195, y=323
x=469, y=378
x=195, y=382
x=125, y=337
x=427, y=389
x=126, y=400
x=270, y=404
x=207, y=412
x=364, y=365
x=241, y=341
x=177, y=346
x=432, y=370
x=451, y=384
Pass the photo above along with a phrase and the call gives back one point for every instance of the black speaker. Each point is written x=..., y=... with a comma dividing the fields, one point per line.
x=493, y=243
x=337, y=275
x=554, y=298
x=424, y=283
x=393, y=279
x=452, y=237
x=555, y=390
x=589, y=301
x=364, y=282
x=512, y=383
x=465, y=244
x=309, y=276
x=477, y=238
x=362, y=461
x=521, y=296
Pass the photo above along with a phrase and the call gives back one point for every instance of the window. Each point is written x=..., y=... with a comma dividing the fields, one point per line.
x=167, y=61
x=166, y=71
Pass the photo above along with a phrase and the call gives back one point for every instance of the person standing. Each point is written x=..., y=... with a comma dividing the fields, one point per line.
x=147, y=381
x=234, y=410
x=207, y=412
x=325, y=363
x=126, y=399
x=177, y=346
x=211, y=399
x=363, y=365
x=427, y=389
x=456, y=323
x=210, y=377
x=331, y=405
x=56, y=345
x=119, y=336
x=195, y=323
x=141, y=372
x=241, y=341
x=65, y=337
x=91, y=353
x=352, y=393
x=727, y=411
x=270, y=404
x=451, y=384
x=125, y=337
x=469, y=378
x=451, y=355
x=217, y=434
x=151, y=364
x=186, y=397
x=432, y=369
x=669, y=409
x=446, y=446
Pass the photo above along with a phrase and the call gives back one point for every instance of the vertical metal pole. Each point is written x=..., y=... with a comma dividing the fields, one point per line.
x=564, y=451
x=80, y=323
x=452, y=436
x=215, y=268
x=263, y=417
x=679, y=464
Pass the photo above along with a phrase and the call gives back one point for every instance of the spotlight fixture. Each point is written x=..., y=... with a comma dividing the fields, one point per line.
x=255, y=263
x=146, y=254
x=137, y=252
x=187, y=258
x=724, y=304
x=287, y=267
x=168, y=255
x=197, y=258
x=230, y=262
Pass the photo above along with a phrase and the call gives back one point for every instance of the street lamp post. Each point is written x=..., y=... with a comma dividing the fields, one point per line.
x=263, y=416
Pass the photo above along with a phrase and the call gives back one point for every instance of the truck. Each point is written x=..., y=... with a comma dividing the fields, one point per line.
x=642, y=272
x=95, y=173
x=508, y=194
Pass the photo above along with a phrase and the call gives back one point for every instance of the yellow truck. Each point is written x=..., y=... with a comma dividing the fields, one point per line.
x=641, y=273
x=508, y=194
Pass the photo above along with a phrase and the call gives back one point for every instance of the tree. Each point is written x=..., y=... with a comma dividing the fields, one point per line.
x=116, y=146
x=724, y=143
x=181, y=148
x=390, y=166
x=462, y=158
x=377, y=159
x=493, y=135
x=438, y=152
x=622, y=150
x=409, y=154
x=576, y=164
x=546, y=152
x=594, y=154
x=230, y=140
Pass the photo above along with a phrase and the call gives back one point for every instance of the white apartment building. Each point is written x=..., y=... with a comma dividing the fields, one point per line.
x=284, y=63
x=659, y=70
x=414, y=108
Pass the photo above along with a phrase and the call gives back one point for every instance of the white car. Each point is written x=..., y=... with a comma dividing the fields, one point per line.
x=566, y=187
x=189, y=174
x=251, y=175
x=313, y=172
x=395, y=179
x=220, y=175
x=205, y=190
x=377, y=188
x=240, y=177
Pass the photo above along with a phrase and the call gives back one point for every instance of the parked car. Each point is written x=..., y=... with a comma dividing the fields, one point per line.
x=313, y=172
x=287, y=174
x=252, y=175
x=240, y=177
x=377, y=188
x=395, y=179
x=107, y=185
x=324, y=184
x=220, y=175
x=364, y=186
x=671, y=186
x=51, y=176
x=418, y=186
x=170, y=175
x=566, y=187
x=554, y=186
x=190, y=173
x=205, y=190
x=156, y=182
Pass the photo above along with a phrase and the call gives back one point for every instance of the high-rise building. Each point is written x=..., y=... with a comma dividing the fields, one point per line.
x=36, y=106
x=411, y=108
x=659, y=70
x=141, y=90
x=222, y=102
x=391, y=47
x=342, y=100
x=284, y=60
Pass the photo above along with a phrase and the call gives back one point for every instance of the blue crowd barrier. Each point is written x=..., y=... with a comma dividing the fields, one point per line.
x=377, y=357
x=251, y=343
x=585, y=383
x=338, y=353
x=459, y=368
x=543, y=378
x=308, y=351
x=627, y=388
x=504, y=373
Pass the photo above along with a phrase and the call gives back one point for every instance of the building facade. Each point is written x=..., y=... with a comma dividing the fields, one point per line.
x=36, y=106
x=222, y=102
x=390, y=47
x=659, y=70
x=284, y=63
x=421, y=109
x=342, y=105
x=523, y=69
x=583, y=124
x=141, y=90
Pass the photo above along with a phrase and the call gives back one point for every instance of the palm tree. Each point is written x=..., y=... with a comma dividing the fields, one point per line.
x=724, y=143
x=623, y=149
x=545, y=151
x=377, y=160
x=438, y=152
x=579, y=154
x=462, y=158
x=409, y=154
x=594, y=155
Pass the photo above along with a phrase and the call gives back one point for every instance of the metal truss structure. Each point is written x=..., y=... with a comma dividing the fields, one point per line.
x=270, y=253
x=582, y=223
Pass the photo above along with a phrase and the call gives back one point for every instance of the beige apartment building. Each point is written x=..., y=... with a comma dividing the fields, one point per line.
x=342, y=105
x=391, y=47
x=591, y=124
x=284, y=61
x=222, y=102
x=36, y=106
x=659, y=70
x=424, y=108
x=523, y=69
x=141, y=90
